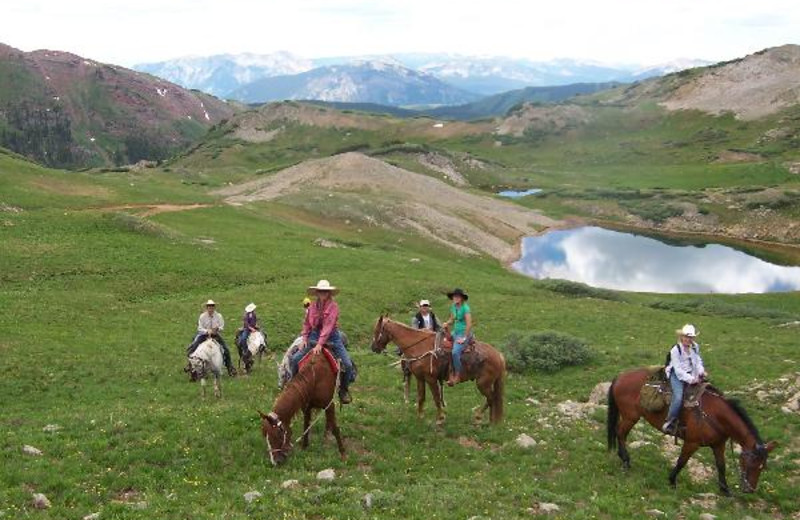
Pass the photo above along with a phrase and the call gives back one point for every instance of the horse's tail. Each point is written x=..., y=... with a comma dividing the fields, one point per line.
x=496, y=408
x=613, y=417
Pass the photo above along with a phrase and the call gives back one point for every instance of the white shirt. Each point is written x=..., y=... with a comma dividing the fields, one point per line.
x=206, y=322
x=427, y=321
x=688, y=366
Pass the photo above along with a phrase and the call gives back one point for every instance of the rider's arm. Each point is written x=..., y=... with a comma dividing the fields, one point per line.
x=201, y=327
x=221, y=323
x=468, y=320
x=701, y=369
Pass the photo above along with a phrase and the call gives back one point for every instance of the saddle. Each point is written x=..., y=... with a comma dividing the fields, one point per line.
x=471, y=357
x=656, y=394
x=328, y=356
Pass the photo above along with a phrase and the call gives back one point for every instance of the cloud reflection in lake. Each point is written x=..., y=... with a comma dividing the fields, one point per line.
x=623, y=261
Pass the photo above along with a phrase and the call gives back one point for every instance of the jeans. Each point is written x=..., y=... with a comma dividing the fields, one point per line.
x=241, y=341
x=200, y=337
x=677, y=396
x=457, y=349
x=337, y=347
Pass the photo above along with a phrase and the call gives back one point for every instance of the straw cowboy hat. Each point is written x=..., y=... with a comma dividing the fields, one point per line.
x=458, y=292
x=424, y=303
x=323, y=285
x=688, y=330
x=211, y=303
x=250, y=307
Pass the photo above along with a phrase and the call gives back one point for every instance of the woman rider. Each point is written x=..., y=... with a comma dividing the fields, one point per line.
x=461, y=320
x=685, y=367
x=249, y=325
x=321, y=327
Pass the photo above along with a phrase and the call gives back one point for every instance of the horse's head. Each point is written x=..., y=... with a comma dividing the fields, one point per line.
x=278, y=437
x=195, y=368
x=380, y=337
x=752, y=463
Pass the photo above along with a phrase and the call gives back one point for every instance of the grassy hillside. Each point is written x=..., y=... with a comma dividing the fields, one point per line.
x=99, y=303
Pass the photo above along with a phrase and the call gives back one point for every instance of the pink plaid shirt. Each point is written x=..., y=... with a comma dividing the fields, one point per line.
x=323, y=317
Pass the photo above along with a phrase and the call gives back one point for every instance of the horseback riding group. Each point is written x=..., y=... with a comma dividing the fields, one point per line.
x=675, y=398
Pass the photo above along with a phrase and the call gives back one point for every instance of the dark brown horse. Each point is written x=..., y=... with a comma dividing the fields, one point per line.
x=711, y=424
x=418, y=351
x=313, y=388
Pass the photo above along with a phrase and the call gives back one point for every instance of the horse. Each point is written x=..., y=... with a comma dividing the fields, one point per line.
x=419, y=351
x=711, y=424
x=206, y=358
x=256, y=346
x=312, y=388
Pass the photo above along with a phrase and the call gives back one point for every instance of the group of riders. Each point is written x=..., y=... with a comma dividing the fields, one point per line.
x=683, y=366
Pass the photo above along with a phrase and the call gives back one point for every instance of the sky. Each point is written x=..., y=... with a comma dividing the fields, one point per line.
x=609, y=31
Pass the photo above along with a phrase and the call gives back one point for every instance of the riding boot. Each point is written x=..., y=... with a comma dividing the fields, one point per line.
x=344, y=385
x=671, y=426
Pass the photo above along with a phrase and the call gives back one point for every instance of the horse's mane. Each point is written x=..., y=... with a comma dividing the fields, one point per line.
x=412, y=329
x=742, y=413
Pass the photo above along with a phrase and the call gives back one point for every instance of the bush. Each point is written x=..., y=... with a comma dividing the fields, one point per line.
x=544, y=351
x=578, y=290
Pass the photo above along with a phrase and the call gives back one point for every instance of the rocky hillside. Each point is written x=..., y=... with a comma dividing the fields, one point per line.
x=752, y=87
x=366, y=82
x=64, y=110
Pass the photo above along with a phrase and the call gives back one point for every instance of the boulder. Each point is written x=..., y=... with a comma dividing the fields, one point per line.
x=525, y=441
x=40, y=501
x=251, y=496
x=707, y=516
x=655, y=512
x=30, y=450
x=326, y=474
x=548, y=507
x=367, y=501
x=51, y=428
x=92, y=516
x=290, y=484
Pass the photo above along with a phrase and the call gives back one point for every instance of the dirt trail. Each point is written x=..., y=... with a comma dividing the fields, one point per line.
x=466, y=222
x=153, y=209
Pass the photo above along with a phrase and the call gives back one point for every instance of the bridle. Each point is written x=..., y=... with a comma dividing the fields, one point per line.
x=278, y=424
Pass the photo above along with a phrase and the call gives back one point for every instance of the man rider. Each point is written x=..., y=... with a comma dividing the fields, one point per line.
x=210, y=324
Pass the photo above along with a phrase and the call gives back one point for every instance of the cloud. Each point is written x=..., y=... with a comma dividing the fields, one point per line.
x=632, y=31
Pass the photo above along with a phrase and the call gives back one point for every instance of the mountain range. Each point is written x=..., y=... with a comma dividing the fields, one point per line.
x=226, y=75
x=68, y=111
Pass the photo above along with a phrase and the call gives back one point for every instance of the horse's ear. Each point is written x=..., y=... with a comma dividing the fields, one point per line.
x=771, y=445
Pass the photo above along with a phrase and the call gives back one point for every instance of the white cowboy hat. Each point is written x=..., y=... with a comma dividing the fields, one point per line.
x=423, y=303
x=688, y=330
x=250, y=307
x=210, y=302
x=323, y=285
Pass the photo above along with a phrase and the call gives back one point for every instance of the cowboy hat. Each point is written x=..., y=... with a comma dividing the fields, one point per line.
x=458, y=292
x=688, y=330
x=323, y=285
x=210, y=302
x=424, y=303
x=250, y=307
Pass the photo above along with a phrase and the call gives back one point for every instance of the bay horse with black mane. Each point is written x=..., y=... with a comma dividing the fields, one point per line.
x=312, y=388
x=418, y=347
x=712, y=423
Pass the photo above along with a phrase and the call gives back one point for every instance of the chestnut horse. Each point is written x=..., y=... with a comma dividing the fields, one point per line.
x=312, y=388
x=419, y=353
x=711, y=423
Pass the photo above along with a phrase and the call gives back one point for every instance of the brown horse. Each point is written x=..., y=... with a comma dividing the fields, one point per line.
x=711, y=424
x=418, y=351
x=313, y=387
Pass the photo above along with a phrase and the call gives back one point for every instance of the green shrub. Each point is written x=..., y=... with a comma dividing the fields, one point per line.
x=578, y=290
x=544, y=351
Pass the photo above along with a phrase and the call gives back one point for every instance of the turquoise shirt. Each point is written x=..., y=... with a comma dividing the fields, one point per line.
x=459, y=313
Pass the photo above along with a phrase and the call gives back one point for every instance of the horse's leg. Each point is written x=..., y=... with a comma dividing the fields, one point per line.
x=440, y=383
x=686, y=452
x=203, y=386
x=719, y=458
x=306, y=424
x=484, y=385
x=437, y=398
x=217, y=388
x=623, y=429
x=330, y=420
x=420, y=396
x=406, y=384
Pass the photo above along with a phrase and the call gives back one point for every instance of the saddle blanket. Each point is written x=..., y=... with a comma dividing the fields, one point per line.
x=328, y=356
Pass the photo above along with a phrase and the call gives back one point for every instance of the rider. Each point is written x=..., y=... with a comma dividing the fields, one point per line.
x=461, y=319
x=249, y=324
x=425, y=318
x=685, y=367
x=211, y=324
x=320, y=328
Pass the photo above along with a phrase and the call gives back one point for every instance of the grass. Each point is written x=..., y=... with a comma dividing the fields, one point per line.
x=99, y=306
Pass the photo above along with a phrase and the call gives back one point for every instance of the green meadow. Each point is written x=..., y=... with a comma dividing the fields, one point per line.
x=99, y=303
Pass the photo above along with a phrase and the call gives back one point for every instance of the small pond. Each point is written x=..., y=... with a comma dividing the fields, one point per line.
x=628, y=262
x=514, y=194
